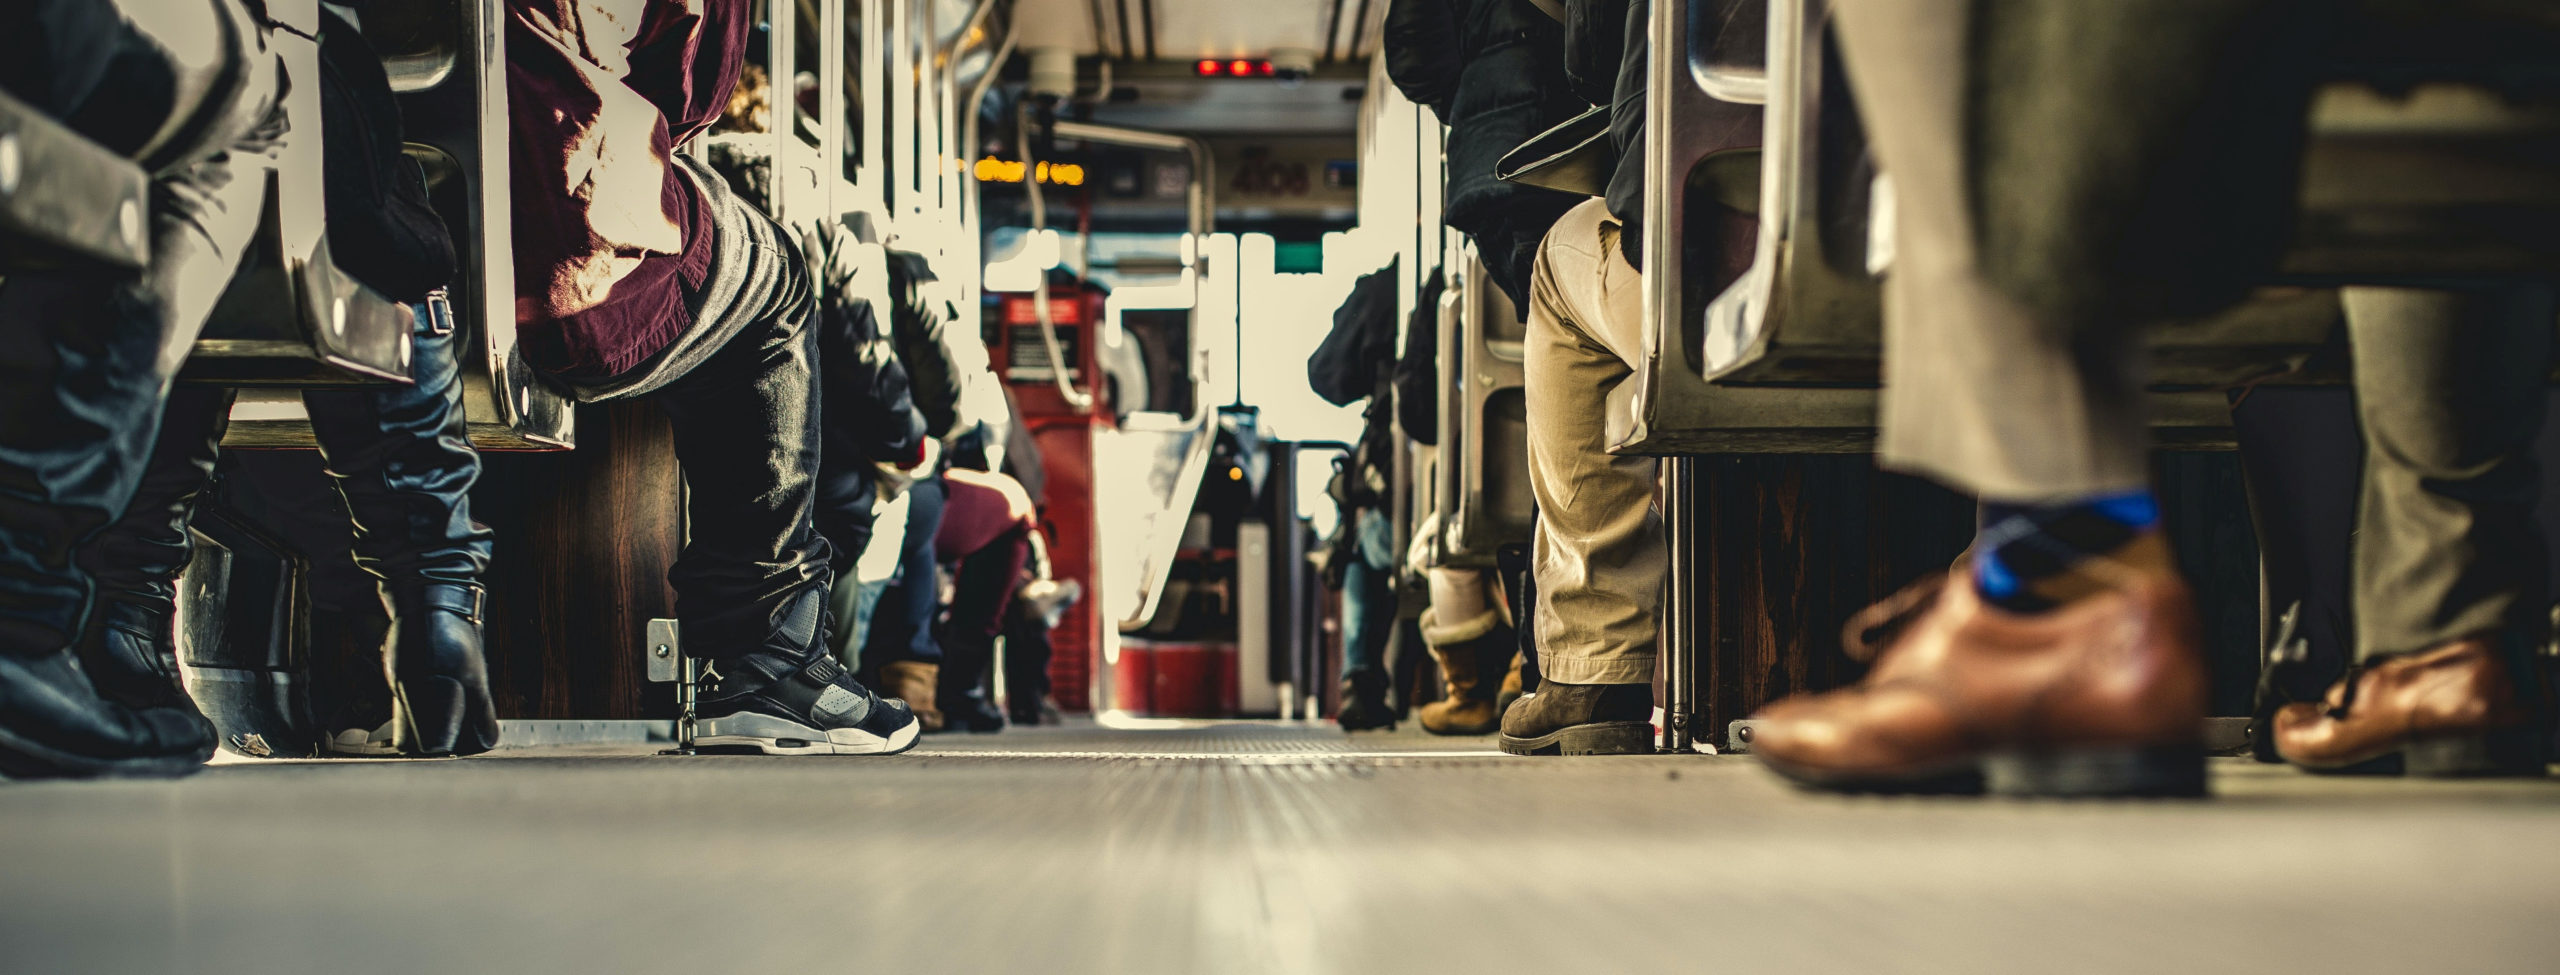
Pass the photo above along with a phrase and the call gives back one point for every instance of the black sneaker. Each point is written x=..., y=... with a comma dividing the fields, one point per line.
x=815, y=709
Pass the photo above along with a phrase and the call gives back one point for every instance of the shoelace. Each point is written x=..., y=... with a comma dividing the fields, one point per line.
x=1875, y=627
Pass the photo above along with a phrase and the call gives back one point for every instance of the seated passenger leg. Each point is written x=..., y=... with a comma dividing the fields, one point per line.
x=130, y=647
x=402, y=458
x=1598, y=554
x=86, y=357
x=901, y=646
x=2449, y=569
x=751, y=585
x=1464, y=631
x=1368, y=621
x=987, y=525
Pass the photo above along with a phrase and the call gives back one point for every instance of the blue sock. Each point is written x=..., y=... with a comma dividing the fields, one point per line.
x=2023, y=552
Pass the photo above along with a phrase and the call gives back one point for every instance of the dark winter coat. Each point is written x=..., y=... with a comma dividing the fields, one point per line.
x=1605, y=48
x=1345, y=367
x=1493, y=70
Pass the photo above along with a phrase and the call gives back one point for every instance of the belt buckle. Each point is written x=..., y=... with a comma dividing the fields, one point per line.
x=439, y=310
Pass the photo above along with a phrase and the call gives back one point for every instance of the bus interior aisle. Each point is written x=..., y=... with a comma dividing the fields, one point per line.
x=1289, y=486
x=1246, y=847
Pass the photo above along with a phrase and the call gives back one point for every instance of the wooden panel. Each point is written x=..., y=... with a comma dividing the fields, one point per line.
x=1794, y=544
x=584, y=541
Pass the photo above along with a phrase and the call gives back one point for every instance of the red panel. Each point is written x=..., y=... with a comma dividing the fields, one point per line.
x=1066, y=515
x=1176, y=680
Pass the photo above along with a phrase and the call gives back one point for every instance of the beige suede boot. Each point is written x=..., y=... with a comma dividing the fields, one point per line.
x=1467, y=708
x=913, y=681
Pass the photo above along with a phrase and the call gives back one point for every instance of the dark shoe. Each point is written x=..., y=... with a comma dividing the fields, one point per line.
x=53, y=724
x=963, y=693
x=790, y=697
x=1364, y=703
x=1581, y=719
x=815, y=708
x=913, y=681
x=2103, y=696
x=439, y=684
x=1043, y=711
x=2451, y=710
x=971, y=712
x=131, y=656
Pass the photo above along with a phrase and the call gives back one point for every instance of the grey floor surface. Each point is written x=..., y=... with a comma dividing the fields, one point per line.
x=1248, y=848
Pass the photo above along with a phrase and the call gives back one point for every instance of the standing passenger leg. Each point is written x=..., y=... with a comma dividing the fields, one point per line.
x=2449, y=569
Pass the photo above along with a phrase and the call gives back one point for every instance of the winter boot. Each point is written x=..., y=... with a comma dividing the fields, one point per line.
x=1467, y=707
x=913, y=681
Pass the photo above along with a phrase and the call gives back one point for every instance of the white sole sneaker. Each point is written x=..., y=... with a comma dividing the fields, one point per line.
x=782, y=736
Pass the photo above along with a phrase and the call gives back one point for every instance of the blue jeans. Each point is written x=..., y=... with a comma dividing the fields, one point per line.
x=1369, y=595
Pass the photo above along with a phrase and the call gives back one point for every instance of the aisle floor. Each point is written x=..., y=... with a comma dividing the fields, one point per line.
x=1248, y=848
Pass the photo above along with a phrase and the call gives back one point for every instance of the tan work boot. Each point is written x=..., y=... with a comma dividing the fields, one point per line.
x=1465, y=709
x=913, y=681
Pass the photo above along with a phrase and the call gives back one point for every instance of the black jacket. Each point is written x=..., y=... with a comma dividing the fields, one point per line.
x=1605, y=48
x=1345, y=367
x=1417, y=378
x=919, y=327
x=1493, y=70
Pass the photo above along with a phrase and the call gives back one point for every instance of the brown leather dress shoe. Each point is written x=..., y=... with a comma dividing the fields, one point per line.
x=2101, y=697
x=2450, y=710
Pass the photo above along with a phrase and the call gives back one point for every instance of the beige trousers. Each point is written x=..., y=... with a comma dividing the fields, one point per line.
x=1599, y=551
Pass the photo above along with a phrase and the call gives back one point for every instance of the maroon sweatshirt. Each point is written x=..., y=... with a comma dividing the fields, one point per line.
x=608, y=232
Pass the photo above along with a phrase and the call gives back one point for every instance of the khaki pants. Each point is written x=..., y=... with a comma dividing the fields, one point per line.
x=2042, y=218
x=1599, y=553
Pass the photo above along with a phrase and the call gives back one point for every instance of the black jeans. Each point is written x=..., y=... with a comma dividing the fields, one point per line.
x=401, y=456
x=739, y=387
x=86, y=354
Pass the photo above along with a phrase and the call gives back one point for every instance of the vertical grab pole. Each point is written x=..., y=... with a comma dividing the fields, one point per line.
x=1680, y=608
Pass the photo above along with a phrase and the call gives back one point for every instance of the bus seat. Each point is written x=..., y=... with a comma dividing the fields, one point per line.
x=290, y=317
x=64, y=198
x=1785, y=358
x=1482, y=474
x=447, y=62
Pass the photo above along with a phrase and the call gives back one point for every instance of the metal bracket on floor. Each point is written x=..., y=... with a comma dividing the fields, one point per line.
x=1680, y=606
x=667, y=663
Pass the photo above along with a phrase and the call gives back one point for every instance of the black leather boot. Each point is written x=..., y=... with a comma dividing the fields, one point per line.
x=405, y=465
x=963, y=695
x=439, y=684
x=1364, y=702
x=53, y=724
x=129, y=647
